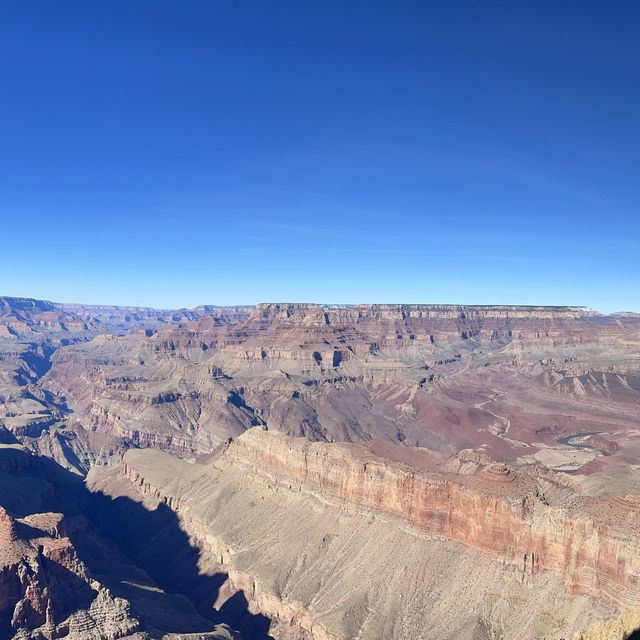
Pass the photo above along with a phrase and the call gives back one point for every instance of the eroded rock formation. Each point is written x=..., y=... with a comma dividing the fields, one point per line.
x=300, y=526
x=59, y=578
x=482, y=461
x=513, y=380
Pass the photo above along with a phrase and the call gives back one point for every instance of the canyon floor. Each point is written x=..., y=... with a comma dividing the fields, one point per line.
x=309, y=472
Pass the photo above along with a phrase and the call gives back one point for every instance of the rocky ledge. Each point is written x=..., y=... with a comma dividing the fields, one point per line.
x=280, y=516
x=498, y=510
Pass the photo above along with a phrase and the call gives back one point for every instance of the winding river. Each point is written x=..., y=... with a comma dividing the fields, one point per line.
x=581, y=441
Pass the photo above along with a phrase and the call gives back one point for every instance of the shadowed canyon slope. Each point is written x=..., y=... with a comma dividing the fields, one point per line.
x=61, y=576
x=328, y=472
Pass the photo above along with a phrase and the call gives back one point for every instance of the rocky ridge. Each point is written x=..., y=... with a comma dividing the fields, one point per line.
x=444, y=378
x=548, y=540
x=60, y=577
x=532, y=521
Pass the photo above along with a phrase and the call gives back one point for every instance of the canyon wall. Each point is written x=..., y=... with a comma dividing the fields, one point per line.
x=307, y=529
x=62, y=577
x=439, y=377
x=498, y=510
x=333, y=541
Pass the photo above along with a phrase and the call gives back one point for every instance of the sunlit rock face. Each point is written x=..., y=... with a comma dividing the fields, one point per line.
x=327, y=471
x=515, y=381
x=339, y=542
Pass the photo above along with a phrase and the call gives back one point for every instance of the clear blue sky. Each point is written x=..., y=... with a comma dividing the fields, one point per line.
x=222, y=151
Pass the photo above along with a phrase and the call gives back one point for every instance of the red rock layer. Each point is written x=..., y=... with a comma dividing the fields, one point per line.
x=332, y=334
x=500, y=511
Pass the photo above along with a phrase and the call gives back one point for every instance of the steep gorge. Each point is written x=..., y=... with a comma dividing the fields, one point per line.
x=434, y=376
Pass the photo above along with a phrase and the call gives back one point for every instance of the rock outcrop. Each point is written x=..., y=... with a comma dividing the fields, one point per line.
x=501, y=511
x=336, y=542
x=46, y=591
x=60, y=578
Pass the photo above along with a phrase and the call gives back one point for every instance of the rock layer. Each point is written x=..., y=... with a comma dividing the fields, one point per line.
x=500, y=511
x=513, y=380
x=281, y=514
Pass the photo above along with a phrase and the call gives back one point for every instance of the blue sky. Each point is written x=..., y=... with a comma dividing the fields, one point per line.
x=217, y=151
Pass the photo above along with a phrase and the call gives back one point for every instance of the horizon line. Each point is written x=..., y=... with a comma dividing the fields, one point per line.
x=580, y=307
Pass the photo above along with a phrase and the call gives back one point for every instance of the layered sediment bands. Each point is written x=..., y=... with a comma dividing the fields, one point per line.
x=513, y=379
x=388, y=326
x=159, y=400
x=337, y=542
x=364, y=329
x=499, y=511
x=125, y=318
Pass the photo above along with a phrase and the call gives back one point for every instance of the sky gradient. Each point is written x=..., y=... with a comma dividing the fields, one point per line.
x=225, y=152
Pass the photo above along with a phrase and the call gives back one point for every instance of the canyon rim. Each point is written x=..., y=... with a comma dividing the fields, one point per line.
x=296, y=471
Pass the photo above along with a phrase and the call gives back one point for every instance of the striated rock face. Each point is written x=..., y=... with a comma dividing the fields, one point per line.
x=116, y=318
x=337, y=542
x=498, y=510
x=517, y=381
x=21, y=317
x=294, y=331
x=46, y=590
x=31, y=331
x=446, y=320
x=25, y=317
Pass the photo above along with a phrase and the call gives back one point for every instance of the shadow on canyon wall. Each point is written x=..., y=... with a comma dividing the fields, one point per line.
x=123, y=544
x=154, y=541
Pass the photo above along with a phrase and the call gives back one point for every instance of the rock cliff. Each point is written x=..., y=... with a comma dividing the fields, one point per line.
x=60, y=578
x=515, y=380
x=499, y=510
x=337, y=542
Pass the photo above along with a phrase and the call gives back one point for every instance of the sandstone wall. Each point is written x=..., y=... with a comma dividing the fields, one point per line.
x=500, y=511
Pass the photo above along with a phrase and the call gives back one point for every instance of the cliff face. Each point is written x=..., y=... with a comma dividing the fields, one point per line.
x=45, y=588
x=328, y=541
x=497, y=510
x=307, y=529
x=362, y=329
x=513, y=379
x=45, y=585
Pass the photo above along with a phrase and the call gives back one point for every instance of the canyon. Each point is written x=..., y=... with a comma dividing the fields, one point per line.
x=319, y=472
